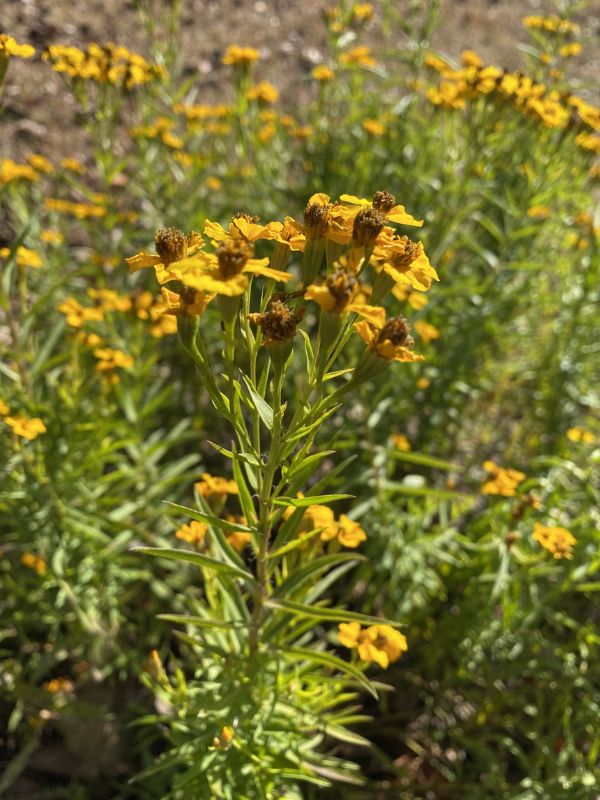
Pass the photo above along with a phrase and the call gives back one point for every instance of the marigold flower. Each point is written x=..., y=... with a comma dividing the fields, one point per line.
x=190, y=302
x=211, y=486
x=337, y=295
x=349, y=532
x=570, y=50
x=359, y=56
x=373, y=127
x=73, y=165
x=25, y=427
x=580, y=435
x=278, y=323
x=51, y=237
x=240, y=56
x=263, y=92
x=558, y=541
x=11, y=171
x=381, y=644
x=41, y=163
x=24, y=257
x=426, y=331
x=77, y=314
x=224, y=739
x=4, y=409
x=194, y=532
x=36, y=563
x=78, y=210
x=238, y=540
x=10, y=47
x=109, y=359
x=242, y=226
x=362, y=12
x=172, y=246
x=389, y=339
x=416, y=299
x=59, y=686
x=320, y=516
x=503, y=482
x=400, y=442
x=322, y=73
x=538, y=212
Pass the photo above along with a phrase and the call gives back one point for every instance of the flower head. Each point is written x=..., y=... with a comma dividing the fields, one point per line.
x=211, y=486
x=194, y=532
x=381, y=644
x=10, y=47
x=27, y=428
x=503, y=481
x=240, y=56
x=389, y=339
x=558, y=541
x=278, y=323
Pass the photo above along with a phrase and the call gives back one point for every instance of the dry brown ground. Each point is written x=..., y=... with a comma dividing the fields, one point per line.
x=39, y=113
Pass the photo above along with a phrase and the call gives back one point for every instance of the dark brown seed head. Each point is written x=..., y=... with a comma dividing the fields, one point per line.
x=396, y=331
x=316, y=219
x=233, y=255
x=248, y=217
x=278, y=324
x=368, y=224
x=404, y=255
x=171, y=244
x=383, y=201
x=341, y=285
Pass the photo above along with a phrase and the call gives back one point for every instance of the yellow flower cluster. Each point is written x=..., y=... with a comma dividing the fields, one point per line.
x=552, y=109
x=193, y=533
x=580, y=435
x=24, y=257
x=108, y=63
x=211, y=486
x=36, y=563
x=161, y=128
x=503, y=482
x=26, y=427
x=558, y=541
x=10, y=47
x=12, y=171
x=380, y=644
x=78, y=210
x=238, y=56
x=346, y=531
x=552, y=24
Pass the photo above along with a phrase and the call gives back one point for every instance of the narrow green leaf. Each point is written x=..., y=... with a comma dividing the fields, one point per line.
x=304, y=502
x=308, y=463
x=214, y=522
x=198, y=622
x=265, y=411
x=329, y=614
x=309, y=571
x=249, y=458
x=199, y=559
x=327, y=659
x=422, y=458
x=243, y=491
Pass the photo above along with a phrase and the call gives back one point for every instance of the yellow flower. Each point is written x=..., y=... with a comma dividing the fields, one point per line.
x=211, y=486
x=78, y=210
x=400, y=442
x=359, y=56
x=319, y=516
x=109, y=300
x=240, y=56
x=383, y=202
x=538, y=212
x=470, y=58
x=503, y=481
x=426, y=331
x=226, y=271
x=172, y=246
x=238, y=540
x=558, y=541
x=423, y=383
x=213, y=183
x=337, y=295
x=349, y=532
x=109, y=359
x=10, y=47
x=41, y=163
x=193, y=533
x=589, y=142
x=11, y=171
x=24, y=257
x=263, y=92
x=224, y=739
x=373, y=127
x=59, y=686
x=570, y=50
x=389, y=340
x=51, y=237
x=73, y=165
x=26, y=428
x=381, y=644
x=435, y=62
x=77, y=314
x=404, y=261
x=190, y=302
x=580, y=435
x=416, y=300
x=362, y=12
x=322, y=73
x=4, y=409
x=36, y=563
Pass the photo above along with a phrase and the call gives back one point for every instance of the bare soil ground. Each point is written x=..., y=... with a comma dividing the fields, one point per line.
x=39, y=114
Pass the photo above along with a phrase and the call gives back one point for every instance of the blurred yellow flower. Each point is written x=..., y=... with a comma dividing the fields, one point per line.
x=73, y=165
x=24, y=257
x=194, y=532
x=426, y=331
x=51, y=237
x=211, y=486
x=389, y=340
x=359, y=56
x=558, y=541
x=77, y=314
x=349, y=532
x=503, y=481
x=570, y=50
x=322, y=73
x=11, y=171
x=263, y=92
x=36, y=563
x=580, y=435
x=400, y=442
x=240, y=56
x=41, y=163
x=109, y=359
x=10, y=47
x=25, y=427
x=373, y=127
